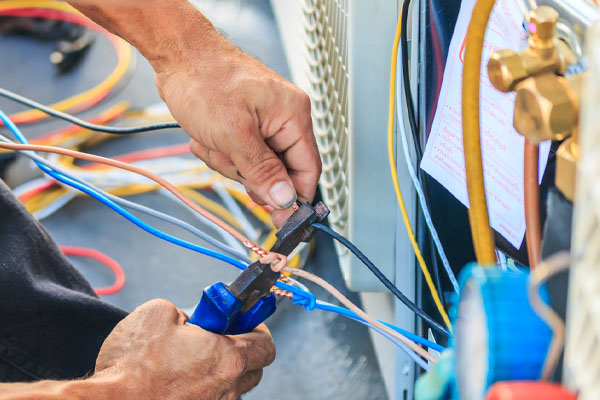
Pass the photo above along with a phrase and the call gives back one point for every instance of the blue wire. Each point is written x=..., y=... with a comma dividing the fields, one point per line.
x=347, y=313
x=299, y=293
x=132, y=218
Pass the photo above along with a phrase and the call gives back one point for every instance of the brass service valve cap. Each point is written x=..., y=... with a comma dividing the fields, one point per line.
x=542, y=25
x=546, y=107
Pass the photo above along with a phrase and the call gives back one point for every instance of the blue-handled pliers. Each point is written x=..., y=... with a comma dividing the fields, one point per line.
x=248, y=301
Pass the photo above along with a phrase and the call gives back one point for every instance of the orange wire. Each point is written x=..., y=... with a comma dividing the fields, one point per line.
x=268, y=257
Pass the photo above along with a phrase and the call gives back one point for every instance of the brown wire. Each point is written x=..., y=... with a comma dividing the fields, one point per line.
x=238, y=235
x=352, y=307
x=269, y=257
x=532, y=203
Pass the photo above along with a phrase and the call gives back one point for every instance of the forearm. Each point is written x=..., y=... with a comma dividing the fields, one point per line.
x=98, y=387
x=164, y=31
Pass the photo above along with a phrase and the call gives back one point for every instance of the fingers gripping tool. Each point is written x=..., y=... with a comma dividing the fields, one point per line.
x=247, y=302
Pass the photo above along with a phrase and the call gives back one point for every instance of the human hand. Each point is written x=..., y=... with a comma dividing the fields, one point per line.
x=159, y=356
x=246, y=122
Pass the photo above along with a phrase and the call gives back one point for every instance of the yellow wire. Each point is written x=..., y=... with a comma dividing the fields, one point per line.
x=483, y=237
x=212, y=206
x=124, y=55
x=259, y=212
x=392, y=158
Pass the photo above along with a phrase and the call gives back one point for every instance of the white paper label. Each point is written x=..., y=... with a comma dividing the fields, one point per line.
x=502, y=146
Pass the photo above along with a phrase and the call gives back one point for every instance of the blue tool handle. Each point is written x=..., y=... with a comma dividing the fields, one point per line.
x=219, y=311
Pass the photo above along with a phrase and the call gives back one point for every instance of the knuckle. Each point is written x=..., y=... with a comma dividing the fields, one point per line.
x=238, y=362
x=304, y=101
x=159, y=307
x=242, y=124
x=266, y=169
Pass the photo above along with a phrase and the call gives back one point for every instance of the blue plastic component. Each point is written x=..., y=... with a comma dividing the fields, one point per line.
x=517, y=339
x=219, y=311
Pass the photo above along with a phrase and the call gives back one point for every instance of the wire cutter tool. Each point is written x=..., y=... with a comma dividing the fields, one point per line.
x=247, y=302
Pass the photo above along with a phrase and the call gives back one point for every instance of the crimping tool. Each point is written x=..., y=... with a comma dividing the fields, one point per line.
x=248, y=301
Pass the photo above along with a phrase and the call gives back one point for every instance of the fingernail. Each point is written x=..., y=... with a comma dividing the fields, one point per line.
x=283, y=194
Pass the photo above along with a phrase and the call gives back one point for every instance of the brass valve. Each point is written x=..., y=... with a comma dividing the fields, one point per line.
x=546, y=108
x=547, y=104
x=545, y=53
x=567, y=156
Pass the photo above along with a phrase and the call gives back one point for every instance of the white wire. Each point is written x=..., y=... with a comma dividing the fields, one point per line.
x=54, y=206
x=226, y=236
x=235, y=209
x=418, y=360
x=135, y=206
x=415, y=179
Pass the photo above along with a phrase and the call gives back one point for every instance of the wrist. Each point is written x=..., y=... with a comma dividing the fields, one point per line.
x=104, y=386
x=170, y=34
x=100, y=386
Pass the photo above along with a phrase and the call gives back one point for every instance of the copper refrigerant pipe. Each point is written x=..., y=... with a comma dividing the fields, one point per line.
x=531, y=188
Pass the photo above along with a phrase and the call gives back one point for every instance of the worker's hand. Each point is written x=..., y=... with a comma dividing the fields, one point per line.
x=157, y=355
x=246, y=122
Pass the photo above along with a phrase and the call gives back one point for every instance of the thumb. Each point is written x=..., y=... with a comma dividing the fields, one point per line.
x=262, y=171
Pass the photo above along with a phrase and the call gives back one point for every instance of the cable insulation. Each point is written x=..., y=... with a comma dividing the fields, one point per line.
x=418, y=187
x=394, y=172
x=382, y=278
x=62, y=11
x=104, y=259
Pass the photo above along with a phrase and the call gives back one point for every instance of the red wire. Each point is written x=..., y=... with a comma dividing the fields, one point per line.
x=104, y=259
x=68, y=17
x=158, y=152
x=25, y=197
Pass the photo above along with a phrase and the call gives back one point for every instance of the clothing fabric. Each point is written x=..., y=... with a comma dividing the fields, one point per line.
x=51, y=322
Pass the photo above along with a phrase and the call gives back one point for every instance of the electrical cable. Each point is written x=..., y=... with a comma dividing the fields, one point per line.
x=321, y=305
x=141, y=208
x=410, y=105
x=77, y=121
x=483, y=237
x=382, y=278
x=417, y=184
x=89, y=191
x=544, y=271
x=414, y=128
x=161, y=181
x=394, y=172
x=352, y=307
x=104, y=259
x=62, y=11
x=341, y=310
x=86, y=189
x=531, y=189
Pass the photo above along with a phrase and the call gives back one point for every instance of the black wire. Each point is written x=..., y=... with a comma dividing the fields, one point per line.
x=414, y=127
x=93, y=127
x=410, y=106
x=391, y=287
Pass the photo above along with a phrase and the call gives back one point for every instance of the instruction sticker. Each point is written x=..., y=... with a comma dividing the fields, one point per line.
x=502, y=146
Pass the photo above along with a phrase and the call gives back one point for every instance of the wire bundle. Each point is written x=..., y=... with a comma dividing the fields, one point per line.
x=107, y=184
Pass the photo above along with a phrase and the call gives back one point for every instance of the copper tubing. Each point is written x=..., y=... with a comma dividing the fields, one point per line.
x=532, y=203
x=548, y=268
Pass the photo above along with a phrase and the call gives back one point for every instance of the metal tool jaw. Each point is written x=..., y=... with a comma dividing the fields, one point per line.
x=247, y=301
